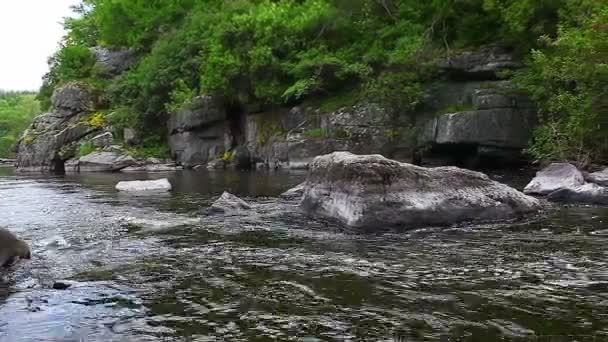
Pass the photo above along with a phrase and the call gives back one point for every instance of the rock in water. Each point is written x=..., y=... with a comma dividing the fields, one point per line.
x=599, y=178
x=12, y=248
x=295, y=193
x=148, y=185
x=105, y=162
x=589, y=193
x=370, y=191
x=555, y=177
x=228, y=204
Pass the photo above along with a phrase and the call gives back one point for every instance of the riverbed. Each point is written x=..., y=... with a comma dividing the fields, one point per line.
x=154, y=268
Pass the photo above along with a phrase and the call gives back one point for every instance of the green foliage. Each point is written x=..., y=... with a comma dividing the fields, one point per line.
x=85, y=148
x=316, y=133
x=568, y=80
x=397, y=92
x=16, y=111
x=151, y=147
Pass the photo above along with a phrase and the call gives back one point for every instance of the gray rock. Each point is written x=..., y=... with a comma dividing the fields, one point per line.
x=216, y=164
x=113, y=62
x=105, y=162
x=295, y=118
x=152, y=168
x=295, y=193
x=45, y=148
x=12, y=249
x=153, y=160
x=203, y=111
x=72, y=166
x=130, y=136
x=588, y=193
x=191, y=148
x=72, y=99
x=228, y=204
x=506, y=128
x=555, y=177
x=485, y=62
x=491, y=99
x=159, y=185
x=103, y=140
x=373, y=192
x=599, y=178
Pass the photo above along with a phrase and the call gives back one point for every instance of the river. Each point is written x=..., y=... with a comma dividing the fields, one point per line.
x=152, y=268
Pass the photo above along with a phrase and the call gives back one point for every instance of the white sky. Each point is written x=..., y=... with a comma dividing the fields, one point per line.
x=30, y=31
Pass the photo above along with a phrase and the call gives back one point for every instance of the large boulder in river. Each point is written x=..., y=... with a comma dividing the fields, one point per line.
x=556, y=176
x=370, y=191
x=146, y=185
x=105, y=162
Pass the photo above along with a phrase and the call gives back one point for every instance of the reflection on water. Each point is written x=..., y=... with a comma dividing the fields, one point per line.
x=151, y=268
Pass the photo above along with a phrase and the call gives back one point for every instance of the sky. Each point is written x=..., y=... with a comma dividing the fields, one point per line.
x=30, y=31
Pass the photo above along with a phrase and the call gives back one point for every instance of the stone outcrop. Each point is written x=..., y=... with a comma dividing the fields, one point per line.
x=302, y=134
x=556, y=176
x=490, y=119
x=113, y=62
x=53, y=137
x=370, y=191
x=197, y=133
x=484, y=63
x=563, y=182
x=159, y=185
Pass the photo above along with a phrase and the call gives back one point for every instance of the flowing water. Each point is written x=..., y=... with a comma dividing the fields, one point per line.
x=153, y=268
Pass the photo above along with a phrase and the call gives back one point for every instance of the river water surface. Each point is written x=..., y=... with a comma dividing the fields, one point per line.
x=153, y=268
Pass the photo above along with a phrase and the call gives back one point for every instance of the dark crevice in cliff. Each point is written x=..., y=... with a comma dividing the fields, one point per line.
x=58, y=166
x=237, y=122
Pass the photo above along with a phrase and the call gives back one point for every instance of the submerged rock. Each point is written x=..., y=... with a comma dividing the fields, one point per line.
x=105, y=161
x=589, y=193
x=370, y=191
x=555, y=177
x=228, y=204
x=147, y=185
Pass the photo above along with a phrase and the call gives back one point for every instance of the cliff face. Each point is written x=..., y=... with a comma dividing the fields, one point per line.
x=470, y=112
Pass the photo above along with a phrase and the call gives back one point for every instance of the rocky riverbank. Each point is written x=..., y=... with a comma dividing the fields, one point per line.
x=468, y=114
